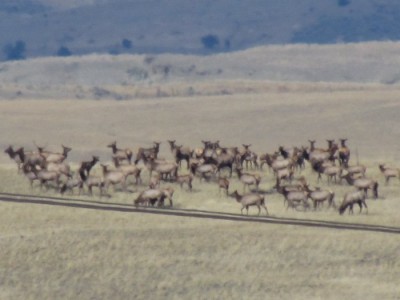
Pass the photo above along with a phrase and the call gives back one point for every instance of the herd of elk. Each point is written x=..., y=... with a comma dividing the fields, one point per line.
x=208, y=162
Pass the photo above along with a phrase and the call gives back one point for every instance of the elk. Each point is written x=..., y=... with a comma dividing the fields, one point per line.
x=45, y=176
x=389, y=172
x=128, y=170
x=92, y=181
x=295, y=198
x=52, y=157
x=113, y=177
x=180, y=153
x=29, y=174
x=61, y=168
x=204, y=171
x=155, y=181
x=72, y=183
x=146, y=153
x=248, y=156
x=164, y=168
x=223, y=183
x=185, y=179
x=248, y=179
x=363, y=184
x=351, y=198
x=344, y=153
x=248, y=200
x=319, y=196
x=152, y=196
x=15, y=156
x=86, y=166
x=121, y=154
x=357, y=169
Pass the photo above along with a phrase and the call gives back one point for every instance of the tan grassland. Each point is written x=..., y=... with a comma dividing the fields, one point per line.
x=63, y=253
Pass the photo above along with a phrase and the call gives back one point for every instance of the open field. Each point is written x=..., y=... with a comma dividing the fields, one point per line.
x=60, y=252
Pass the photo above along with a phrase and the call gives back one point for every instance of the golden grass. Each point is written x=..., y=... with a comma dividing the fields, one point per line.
x=59, y=252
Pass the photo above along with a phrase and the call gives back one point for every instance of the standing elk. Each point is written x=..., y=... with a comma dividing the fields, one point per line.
x=15, y=155
x=185, y=179
x=86, y=166
x=121, y=154
x=53, y=157
x=113, y=177
x=344, y=153
x=128, y=170
x=319, y=196
x=248, y=200
x=180, y=153
x=223, y=184
x=389, y=172
x=146, y=153
x=248, y=179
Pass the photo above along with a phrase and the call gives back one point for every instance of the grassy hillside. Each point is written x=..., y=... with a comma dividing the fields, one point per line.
x=257, y=70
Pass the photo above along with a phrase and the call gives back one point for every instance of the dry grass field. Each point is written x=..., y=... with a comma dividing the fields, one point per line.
x=53, y=252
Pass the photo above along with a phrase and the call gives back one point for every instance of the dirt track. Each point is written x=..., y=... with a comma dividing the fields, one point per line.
x=108, y=206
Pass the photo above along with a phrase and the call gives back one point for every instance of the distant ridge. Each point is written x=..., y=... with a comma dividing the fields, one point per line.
x=60, y=27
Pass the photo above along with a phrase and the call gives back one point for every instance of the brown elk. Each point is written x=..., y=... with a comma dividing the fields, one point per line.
x=223, y=184
x=72, y=183
x=153, y=196
x=166, y=169
x=113, y=177
x=248, y=156
x=248, y=179
x=15, y=155
x=319, y=196
x=185, y=179
x=146, y=153
x=389, y=172
x=295, y=199
x=53, y=157
x=351, y=198
x=344, y=153
x=128, y=170
x=92, y=181
x=248, y=200
x=180, y=153
x=86, y=166
x=121, y=154
x=363, y=184
x=45, y=176
x=62, y=168
x=204, y=170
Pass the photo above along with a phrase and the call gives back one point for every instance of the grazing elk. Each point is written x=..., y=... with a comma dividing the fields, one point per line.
x=153, y=196
x=248, y=200
x=205, y=171
x=180, y=153
x=351, y=198
x=121, y=154
x=363, y=184
x=389, y=172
